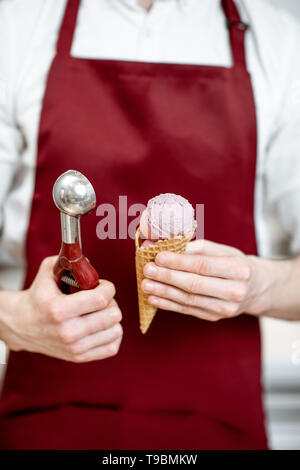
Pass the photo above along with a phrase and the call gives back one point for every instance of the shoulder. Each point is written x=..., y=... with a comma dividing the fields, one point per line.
x=18, y=18
x=275, y=29
x=268, y=13
x=27, y=10
x=274, y=39
x=21, y=22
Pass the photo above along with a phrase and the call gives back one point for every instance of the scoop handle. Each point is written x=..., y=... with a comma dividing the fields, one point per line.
x=72, y=264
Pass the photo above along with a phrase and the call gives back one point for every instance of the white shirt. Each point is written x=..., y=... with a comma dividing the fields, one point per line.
x=182, y=31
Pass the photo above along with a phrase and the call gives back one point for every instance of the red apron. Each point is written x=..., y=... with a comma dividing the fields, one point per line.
x=140, y=129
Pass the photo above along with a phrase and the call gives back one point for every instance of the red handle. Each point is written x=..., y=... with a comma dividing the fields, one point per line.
x=71, y=260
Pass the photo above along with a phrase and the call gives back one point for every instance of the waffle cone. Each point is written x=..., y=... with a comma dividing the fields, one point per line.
x=144, y=255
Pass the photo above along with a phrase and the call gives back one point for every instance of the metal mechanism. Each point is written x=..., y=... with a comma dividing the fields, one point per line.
x=237, y=24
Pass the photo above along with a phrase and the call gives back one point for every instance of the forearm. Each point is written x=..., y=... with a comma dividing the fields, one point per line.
x=279, y=282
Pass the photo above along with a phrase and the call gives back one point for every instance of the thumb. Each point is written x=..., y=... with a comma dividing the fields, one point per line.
x=47, y=265
x=45, y=276
x=195, y=247
x=209, y=248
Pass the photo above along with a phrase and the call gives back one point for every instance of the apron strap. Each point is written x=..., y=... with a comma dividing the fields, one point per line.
x=68, y=25
x=236, y=28
x=237, y=31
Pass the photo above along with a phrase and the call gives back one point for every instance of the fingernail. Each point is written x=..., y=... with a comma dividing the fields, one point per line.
x=153, y=300
x=151, y=270
x=162, y=258
x=148, y=286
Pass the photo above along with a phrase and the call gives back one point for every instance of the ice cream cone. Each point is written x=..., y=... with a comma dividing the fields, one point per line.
x=146, y=254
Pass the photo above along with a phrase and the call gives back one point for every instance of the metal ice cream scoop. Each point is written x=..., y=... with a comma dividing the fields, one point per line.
x=74, y=196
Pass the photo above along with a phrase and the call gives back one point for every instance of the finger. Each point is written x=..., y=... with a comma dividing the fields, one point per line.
x=47, y=265
x=100, y=352
x=76, y=328
x=45, y=278
x=179, y=296
x=97, y=339
x=165, y=304
x=82, y=302
x=209, y=248
x=224, y=267
x=225, y=289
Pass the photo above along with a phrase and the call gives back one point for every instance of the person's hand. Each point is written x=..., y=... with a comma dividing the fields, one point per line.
x=209, y=281
x=80, y=327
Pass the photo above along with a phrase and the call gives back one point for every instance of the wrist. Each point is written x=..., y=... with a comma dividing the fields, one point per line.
x=8, y=306
x=265, y=282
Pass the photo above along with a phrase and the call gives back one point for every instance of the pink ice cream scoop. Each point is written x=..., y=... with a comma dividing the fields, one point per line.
x=167, y=216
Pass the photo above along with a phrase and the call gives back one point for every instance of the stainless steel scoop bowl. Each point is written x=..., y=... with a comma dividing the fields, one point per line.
x=74, y=196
